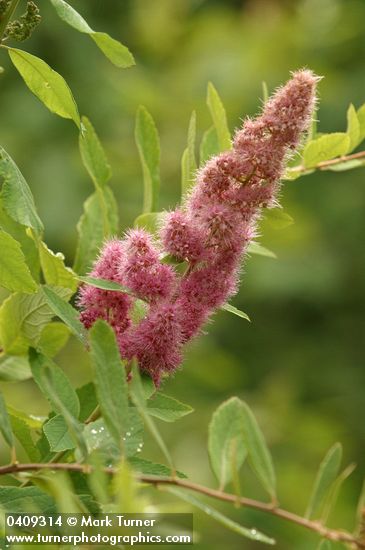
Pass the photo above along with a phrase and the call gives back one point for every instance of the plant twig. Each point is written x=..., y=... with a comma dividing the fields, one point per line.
x=315, y=526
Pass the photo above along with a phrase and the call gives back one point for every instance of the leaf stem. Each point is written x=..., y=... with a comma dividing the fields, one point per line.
x=6, y=18
x=336, y=535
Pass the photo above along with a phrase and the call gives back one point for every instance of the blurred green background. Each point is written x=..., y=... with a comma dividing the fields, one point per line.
x=300, y=363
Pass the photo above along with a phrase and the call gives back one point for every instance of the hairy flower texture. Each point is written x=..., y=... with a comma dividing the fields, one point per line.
x=141, y=270
x=211, y=232
x=155, y=342
x=95, y=303
x=182, y=238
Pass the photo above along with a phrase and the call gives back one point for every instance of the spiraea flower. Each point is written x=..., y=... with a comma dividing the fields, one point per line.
x=210, y=231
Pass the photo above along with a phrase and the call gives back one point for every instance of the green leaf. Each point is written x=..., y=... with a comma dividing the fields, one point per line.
x=14, y=368
x=91, y=229
x=14, y=272
x=53, y=338
x=148, y=145
x=188, y=161
x=88, y=400
x=137, y=395
x=98, y=438
x=57, y=434
x=116, y=52
x=49, y=86
x=258, y=453
x=27, y=243
x=5, y=425
x=235, y=311
x=251, y=534
x=226, y=426
x=150, y=221
x=326, y=147
x=16, y=196
x=209, y=146
x=219, y=117
x=60, y=384
x=22, y=432
x=332, y=496
x=259, y=250
x=105, y=284
x=57, y=389
x=152, y=468
x=327, y=473
x=110, y=378
x=167, y=408
x=265, y=92
x=22, y=319
x=18, y=499
x=54, y=270
x=353, y=128
x=361, y=118
x=360, y=511
x=93, y=155
x=277, y=218
x=66, y=312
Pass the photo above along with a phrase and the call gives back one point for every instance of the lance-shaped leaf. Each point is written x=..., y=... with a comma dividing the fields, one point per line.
x=209, y=146
x=148, y=145
x=152, y=468
x=104, y=284
x=188, y=161
x=22, y=432
x=325, y=147
x=167, y=408
x=137, y=394
x=60, y=384
x=252, y=534
x=258, y=453
x=27, y=243
x=110, y=379
x=327, y=473
x=360, y=511
x=353, y=128
x=361, y=118
x=92, y=230
x=57, y=389
x=66, y=312
x=259, y=250
x=54, y=270
x=93, y=155
x=14, y=272
x=278, y=218
x=5, y=425
x=150, y=221
x=226, y=426
x=22, y=319
x=116, y=52
x=45, y=83
x=331, y=499
x=235, y=311
x=219, y=117
x=16, y=196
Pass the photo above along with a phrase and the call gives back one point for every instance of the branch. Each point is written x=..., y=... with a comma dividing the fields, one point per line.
x=327, y=163
x=315, y=526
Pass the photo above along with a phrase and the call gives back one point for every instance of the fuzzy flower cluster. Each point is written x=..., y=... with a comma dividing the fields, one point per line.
x=210, y=232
